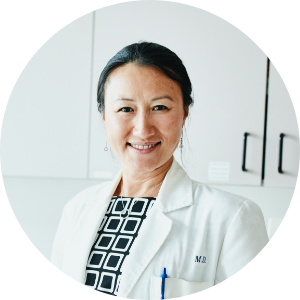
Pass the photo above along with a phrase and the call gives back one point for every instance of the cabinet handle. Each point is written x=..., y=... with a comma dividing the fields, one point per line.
x=280, y=152
x=244, y=151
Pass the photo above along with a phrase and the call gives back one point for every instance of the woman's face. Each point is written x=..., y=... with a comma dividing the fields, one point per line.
x=143, y=109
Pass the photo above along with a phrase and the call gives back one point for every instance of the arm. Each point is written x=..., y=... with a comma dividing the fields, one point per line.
x=245, y=238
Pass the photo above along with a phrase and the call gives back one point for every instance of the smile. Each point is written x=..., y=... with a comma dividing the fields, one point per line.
x=141, y=147
x=144, y=148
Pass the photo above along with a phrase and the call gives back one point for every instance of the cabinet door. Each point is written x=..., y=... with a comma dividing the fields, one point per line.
x=228, y=73
x=281, y=119
x=46, y=123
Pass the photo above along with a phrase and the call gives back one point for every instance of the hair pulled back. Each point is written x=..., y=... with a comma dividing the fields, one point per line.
x=148, y=54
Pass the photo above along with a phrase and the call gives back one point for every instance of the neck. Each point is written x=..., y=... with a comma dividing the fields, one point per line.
x=135, y=184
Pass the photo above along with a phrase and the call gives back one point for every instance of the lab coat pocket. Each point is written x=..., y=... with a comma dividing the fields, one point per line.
x=175, y=287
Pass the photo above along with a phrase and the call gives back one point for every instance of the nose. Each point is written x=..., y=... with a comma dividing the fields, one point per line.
x=143, y=127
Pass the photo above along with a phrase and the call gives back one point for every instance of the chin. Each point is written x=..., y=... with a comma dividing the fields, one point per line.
x=145, y=165
x=148, y=165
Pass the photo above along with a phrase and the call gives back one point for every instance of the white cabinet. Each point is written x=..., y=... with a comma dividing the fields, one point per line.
x=281, y=120
x=46, y=124
x=228, y=73
x=52, y=127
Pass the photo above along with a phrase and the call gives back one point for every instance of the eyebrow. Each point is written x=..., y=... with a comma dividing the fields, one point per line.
x=154, y=99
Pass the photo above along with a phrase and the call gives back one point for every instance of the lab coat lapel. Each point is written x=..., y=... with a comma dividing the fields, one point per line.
x=151, y=236
x=175, y=193
x=83, y=239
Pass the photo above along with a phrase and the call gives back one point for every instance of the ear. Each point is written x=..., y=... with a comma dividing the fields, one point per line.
x=186, y=113
x=103, y=116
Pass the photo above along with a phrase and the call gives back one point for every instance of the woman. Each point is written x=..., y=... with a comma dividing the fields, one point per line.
x=118, y=236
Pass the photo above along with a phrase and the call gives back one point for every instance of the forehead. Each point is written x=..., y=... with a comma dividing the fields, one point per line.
x=132, y=80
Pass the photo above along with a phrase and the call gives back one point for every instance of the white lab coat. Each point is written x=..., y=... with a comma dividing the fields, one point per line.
x=200, y=234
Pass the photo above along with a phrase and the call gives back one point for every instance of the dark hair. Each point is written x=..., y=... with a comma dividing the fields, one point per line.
x=152, y=55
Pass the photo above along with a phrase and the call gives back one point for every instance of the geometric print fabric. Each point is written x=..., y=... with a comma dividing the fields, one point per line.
x=113, y=242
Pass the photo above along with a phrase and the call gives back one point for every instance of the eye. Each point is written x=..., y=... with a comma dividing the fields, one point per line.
x=160, y=107
x=126, y=109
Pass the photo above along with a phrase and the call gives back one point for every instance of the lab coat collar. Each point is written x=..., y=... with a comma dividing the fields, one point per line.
x=175, y=192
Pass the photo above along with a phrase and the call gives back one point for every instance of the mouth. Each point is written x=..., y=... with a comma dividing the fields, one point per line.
x=143, y=147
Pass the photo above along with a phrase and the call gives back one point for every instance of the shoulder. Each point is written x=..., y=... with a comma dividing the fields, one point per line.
x=214, y=195
x=84, y=197
x=235, y=217
x=222, y=203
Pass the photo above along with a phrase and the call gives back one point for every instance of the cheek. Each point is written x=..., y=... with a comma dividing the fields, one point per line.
x=172, y=123
x=172, y=127
x=115, y=129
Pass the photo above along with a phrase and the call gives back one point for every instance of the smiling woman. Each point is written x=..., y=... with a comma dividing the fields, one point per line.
x=118, y=237
x=144, y=93
x=143, y=117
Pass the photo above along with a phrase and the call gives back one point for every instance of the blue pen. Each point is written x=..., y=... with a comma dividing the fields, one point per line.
x=163, y=277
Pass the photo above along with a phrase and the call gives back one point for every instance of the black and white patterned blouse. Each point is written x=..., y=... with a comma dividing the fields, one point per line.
x=113, y=242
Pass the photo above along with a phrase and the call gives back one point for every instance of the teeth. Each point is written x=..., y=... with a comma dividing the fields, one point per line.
x=142, y=147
